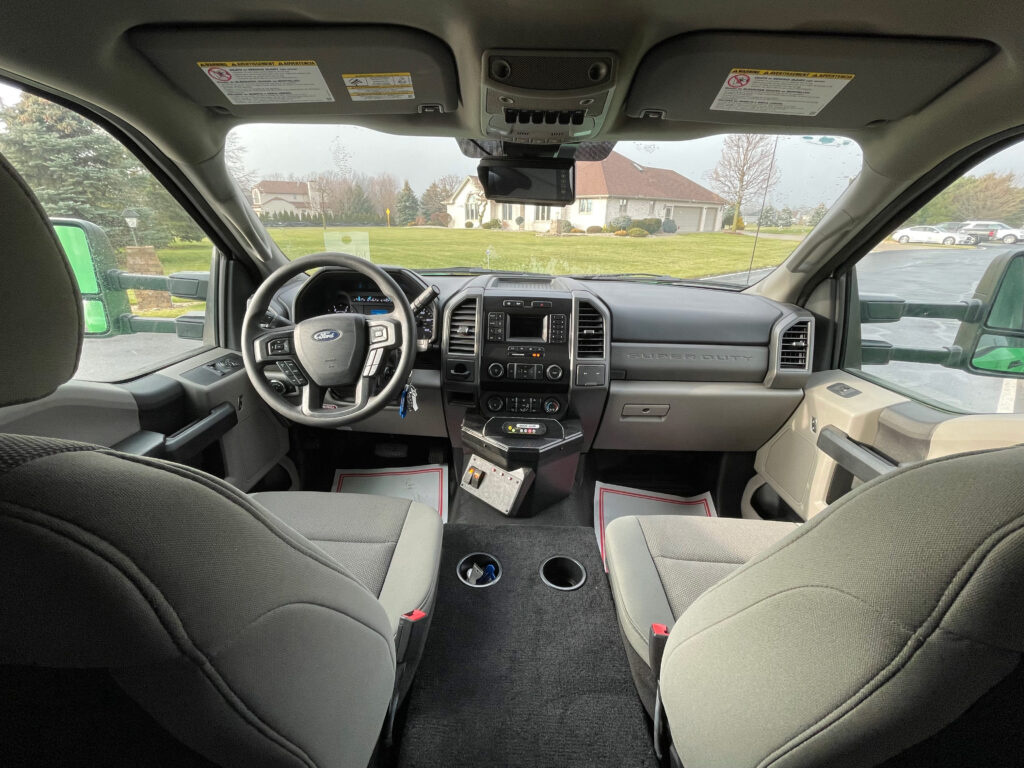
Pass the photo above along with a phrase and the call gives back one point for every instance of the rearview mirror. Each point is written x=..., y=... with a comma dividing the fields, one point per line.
x=543, y=181
x=104, y=287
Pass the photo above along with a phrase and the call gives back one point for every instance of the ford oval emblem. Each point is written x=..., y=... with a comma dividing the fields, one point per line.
x=327, y=334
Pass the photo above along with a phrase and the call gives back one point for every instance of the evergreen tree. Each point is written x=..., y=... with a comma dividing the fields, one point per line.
x=786, y=217
x=433, y=201
x=78, y=170
x=817, y=214
x=407, y=207
x=358, y=207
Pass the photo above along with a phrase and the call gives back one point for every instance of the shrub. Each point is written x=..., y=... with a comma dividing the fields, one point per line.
x=650, y=226
x=669, y=226
x=622, y=233
x=562, y=226
x=593, y=229
x=492, y=224
x=469, y=225
x=520, y=221
x=620, y=222
x=638, y=232
x=576, y=231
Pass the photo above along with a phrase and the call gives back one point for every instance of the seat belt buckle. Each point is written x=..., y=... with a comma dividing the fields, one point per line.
x=657, y=638
x=412, y=634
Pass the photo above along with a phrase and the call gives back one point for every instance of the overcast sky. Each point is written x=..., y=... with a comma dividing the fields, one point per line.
x=811, y=172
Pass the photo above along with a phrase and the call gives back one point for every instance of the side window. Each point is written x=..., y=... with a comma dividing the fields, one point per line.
x=141, y=262
x=939, y=315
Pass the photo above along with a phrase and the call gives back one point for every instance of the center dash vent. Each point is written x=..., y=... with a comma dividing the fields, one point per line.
x=462, y=329
x=794, y=346
x=589, y=332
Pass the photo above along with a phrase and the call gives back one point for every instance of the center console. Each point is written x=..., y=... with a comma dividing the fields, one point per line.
x=526, y=356
x=526, y=377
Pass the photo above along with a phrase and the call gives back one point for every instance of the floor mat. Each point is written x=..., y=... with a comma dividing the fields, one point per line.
x=427, y=484
x=612, y=501
x=519, y=674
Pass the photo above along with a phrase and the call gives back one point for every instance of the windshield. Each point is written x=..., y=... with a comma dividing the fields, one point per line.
x=650, y=209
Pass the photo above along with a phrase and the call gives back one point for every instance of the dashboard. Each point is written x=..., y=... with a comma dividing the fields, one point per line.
x=636, y=366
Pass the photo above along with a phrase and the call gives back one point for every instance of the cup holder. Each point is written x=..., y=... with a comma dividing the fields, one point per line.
x=564, y=573
x=479, y=570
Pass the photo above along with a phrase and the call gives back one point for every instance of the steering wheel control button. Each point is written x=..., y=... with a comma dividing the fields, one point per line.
x=552, y=406
x=496, y=370
x=554, y=372
x=373, y=361
x=279, y=347
x=292, y=373
x=378, y=333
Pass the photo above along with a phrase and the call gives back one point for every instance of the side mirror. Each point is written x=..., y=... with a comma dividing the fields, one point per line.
x=104, y=287
x=995, y=346
x=91, y=256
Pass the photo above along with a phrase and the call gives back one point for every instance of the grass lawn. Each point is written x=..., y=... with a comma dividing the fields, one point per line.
x=794, y=230
x=690, y=255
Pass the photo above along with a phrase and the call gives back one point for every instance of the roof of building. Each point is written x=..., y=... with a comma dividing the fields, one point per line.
x=274, y=187
x=618, y=176
x=292, y=203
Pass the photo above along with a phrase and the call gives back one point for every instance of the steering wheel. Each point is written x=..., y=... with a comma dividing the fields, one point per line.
x=329, y=351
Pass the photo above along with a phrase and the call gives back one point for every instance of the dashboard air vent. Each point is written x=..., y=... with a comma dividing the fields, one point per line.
x=589, y=332
x=462, y=329
x=794, y=346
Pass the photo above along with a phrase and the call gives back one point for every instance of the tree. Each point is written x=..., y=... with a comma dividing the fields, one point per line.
x=433, y=201
x=786, y=217
x=383, y=191
x=817, y=214
x=746, y=167
x=991, y=196
x=769, y=217
x=235, y=154
x=358, y=207
x=325, y=195
x=407, y=207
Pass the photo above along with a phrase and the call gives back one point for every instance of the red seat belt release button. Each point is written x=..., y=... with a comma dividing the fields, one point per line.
x=656, y=640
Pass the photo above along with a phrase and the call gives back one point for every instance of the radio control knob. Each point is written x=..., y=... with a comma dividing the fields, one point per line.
x=496, y=370
x=495, y=403
x=554, y=372
x=552, y=406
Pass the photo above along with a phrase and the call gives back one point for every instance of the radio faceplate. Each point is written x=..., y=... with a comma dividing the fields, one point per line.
x=525, y=359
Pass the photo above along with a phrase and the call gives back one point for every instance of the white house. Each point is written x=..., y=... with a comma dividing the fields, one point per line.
x=270, y=197
x=605, y=190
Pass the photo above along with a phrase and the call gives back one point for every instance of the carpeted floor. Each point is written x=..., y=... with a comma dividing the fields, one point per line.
x=520, y=674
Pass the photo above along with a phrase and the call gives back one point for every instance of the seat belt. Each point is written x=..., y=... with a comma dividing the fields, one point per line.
x=657, y=639
x=409, y=641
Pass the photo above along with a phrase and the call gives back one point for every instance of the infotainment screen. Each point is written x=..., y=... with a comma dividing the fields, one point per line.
x=526, y=327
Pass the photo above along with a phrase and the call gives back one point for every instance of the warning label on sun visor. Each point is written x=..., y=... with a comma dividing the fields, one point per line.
x=268, y=82
x=779, y=92
x=380, y=86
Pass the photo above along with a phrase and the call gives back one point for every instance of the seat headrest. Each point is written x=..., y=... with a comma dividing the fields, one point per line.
x=41, y=321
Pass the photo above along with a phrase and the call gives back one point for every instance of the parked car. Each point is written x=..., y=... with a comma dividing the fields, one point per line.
x=931, y=234
x=989, y=230
x=1010, y=235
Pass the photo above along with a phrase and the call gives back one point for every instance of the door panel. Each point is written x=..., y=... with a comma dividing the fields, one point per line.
x=884, y=427
x=101, y=414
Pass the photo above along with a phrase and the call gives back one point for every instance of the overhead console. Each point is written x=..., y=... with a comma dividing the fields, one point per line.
x=798, y=79
x=546, y=97
x=322, y=70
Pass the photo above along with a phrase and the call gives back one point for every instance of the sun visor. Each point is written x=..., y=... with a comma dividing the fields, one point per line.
x=351, y=70
x=837, y=81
